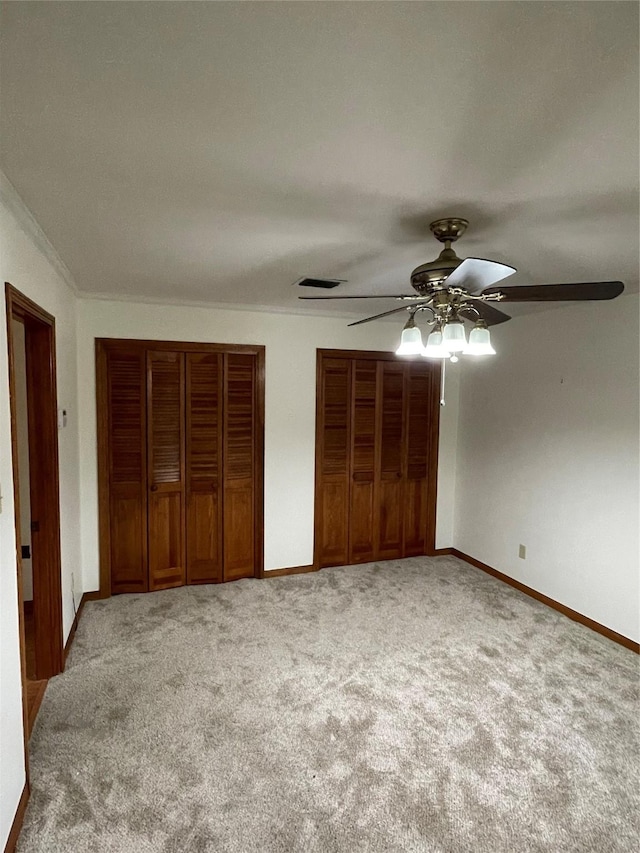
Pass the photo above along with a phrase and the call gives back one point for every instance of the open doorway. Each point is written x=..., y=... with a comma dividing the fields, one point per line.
x=32, y=384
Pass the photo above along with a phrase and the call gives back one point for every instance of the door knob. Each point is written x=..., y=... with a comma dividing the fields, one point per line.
x=154, y=488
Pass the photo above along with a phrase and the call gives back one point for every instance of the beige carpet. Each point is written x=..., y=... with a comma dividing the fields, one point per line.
x=406, y=706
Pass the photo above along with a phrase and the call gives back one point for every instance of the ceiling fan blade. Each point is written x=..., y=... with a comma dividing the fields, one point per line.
x=559, y=292
x=371, y=296
x=376, y=316
x=474, y=274
x=489, y=314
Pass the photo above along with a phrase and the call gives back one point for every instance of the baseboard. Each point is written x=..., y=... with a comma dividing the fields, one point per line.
x=441, y=552
x=16, y=826
x=551, y=602
x=292, y=570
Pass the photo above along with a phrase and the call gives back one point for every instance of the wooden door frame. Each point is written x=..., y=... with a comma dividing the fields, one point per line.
x=434, y=430
x=101, y=348
x=40, y=346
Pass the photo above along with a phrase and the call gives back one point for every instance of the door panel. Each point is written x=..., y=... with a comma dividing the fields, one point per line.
x=333, y=495
x=334, y=520
x=127, y=470
x=165, y=449
x=204, y=539
x=415, y=499
x=362, y=517
x=390, y=491
x=166, y=564
x=128, y=534
x=204, y=377
x=239, y=466
x=377, y=421
x=238, y=532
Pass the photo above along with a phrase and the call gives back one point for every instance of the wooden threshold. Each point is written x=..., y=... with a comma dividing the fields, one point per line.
x=292, y=570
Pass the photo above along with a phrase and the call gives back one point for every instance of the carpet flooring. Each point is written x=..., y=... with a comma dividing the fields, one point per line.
x=417, y=705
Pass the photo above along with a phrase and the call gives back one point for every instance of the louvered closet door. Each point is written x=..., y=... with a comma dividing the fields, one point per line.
x=127, y=470
x=377, y=432
x=418, y=440
x=239, y=441
x=165, y=449
x=333, y=495
x=204, y=388
x=390, y=481
x=362, y=515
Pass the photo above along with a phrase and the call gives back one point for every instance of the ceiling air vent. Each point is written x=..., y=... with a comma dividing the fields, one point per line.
x=325, y=283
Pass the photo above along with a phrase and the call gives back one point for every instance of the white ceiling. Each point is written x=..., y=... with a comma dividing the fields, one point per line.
x=220, y=151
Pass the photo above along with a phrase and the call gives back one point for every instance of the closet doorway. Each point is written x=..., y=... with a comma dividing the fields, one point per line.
x=377, y=420
x=180, y=463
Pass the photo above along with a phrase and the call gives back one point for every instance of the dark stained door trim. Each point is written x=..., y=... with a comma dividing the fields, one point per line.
x=40, y=345
x=42, y=405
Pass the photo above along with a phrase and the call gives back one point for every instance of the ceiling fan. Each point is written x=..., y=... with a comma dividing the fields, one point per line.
x=454, y=289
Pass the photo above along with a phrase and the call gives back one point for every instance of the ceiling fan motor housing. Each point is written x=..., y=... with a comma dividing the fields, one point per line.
x=426, y=277
x=432, y=275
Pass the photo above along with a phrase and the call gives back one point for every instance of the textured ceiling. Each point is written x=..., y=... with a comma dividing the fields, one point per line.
x=220, y=151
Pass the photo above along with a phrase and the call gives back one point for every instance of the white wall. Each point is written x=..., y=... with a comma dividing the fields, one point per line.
x=548, y=457
x=290, y=395
x=448, y=455
x=26, y=262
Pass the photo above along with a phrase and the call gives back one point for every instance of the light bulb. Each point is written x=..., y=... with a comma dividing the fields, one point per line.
x=453, y=336
x=434, y=348
x=410, y=341
x=479, y=341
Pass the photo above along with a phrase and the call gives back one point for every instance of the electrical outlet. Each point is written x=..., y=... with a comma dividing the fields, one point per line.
x=522, y=552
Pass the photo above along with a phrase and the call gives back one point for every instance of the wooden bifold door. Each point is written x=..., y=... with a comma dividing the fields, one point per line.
x=376, y=457
x=180, y=439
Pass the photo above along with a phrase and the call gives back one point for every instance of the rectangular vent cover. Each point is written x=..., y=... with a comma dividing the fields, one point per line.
x=326, y=283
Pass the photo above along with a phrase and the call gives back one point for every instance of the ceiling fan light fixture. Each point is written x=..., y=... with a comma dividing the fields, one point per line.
x=434, y=348
x=410, y=340
x=479, y=341
x=454, y=338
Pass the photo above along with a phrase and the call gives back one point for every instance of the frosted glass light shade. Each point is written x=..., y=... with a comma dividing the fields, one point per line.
x=479, y=342
x=434, y=348
x=410, y=342
x=453, y=337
